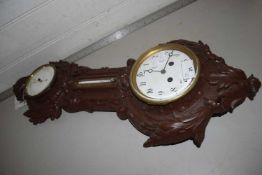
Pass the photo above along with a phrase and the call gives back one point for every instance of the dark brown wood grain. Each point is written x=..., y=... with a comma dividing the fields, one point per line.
x=219, y=90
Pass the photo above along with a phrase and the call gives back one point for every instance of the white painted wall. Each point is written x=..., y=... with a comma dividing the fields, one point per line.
x=99, y=143
x=34, y=32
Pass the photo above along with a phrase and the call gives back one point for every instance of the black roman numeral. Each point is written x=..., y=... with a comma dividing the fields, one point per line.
x=142, y=84
x=140, y=74
x=149, y=91
x=173, y=89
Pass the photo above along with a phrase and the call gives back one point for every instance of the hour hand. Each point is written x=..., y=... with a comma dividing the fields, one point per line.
x=151, y=70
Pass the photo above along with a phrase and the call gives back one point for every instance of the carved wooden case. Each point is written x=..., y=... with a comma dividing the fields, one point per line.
x=219, y=90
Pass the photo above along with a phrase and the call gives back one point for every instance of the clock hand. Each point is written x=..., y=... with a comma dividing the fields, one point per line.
x=182, y=71
x=169, y=56
x=41, y=80
x=151, y=70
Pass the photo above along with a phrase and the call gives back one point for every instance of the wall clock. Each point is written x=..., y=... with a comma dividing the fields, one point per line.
x=169, y=93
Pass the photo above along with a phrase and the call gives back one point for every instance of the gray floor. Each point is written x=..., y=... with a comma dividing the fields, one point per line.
x=100, y=143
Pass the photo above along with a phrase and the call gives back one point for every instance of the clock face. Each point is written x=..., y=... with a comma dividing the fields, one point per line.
x=40, y=80
x=164, y=74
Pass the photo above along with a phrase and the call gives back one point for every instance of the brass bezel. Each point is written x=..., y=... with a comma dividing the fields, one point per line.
x=33, y=74
x=153, y=51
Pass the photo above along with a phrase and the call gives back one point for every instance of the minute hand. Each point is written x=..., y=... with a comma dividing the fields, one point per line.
x=169, y=56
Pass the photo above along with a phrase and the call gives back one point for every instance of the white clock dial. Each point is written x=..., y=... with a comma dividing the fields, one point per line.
x=40, y=80
x=164, y=75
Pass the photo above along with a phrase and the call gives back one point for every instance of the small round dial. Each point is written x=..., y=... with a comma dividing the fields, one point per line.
x=40, y=80
x=164, y=73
